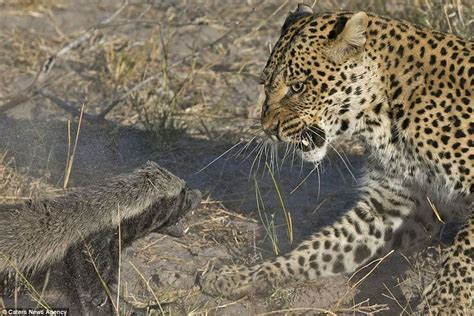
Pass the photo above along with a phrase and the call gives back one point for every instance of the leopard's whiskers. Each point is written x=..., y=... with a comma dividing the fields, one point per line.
x=219, y=157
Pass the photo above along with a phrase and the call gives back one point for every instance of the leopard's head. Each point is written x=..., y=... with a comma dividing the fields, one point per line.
x=316, y=80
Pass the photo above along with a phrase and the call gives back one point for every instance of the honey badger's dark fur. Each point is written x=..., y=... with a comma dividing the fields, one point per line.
x=407, y=92
x=51, y=232
x=83, y=285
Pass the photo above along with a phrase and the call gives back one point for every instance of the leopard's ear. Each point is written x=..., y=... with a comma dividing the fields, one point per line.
x=300, y=11
x=351, y=39
x=303, y=8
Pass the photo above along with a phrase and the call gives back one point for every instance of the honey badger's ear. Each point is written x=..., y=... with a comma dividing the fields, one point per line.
x=351, y=39
x=293, y=16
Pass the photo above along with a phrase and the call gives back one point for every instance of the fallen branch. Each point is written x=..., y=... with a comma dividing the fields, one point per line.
x=68, y=107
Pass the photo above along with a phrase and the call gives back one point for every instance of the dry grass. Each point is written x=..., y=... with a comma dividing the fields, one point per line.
x=197, y=63
x=188, y=68
x=16, y=185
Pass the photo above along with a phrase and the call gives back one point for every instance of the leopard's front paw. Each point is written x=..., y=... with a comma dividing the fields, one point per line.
x=230, y=281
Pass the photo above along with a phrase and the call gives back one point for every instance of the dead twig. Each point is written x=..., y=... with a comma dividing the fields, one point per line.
x=213, y=43
x=376, y=263
x=68, y=107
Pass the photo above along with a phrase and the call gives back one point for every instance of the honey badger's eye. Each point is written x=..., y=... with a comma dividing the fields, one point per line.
x=297, y=87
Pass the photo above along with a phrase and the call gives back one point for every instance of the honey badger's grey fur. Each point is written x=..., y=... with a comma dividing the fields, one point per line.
x=83, y=286
x=36, y=235
x=39, y=233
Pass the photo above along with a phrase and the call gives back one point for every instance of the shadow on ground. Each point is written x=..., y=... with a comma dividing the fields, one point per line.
x=104, y=149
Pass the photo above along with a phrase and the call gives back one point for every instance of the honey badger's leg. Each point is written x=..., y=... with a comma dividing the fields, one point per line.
x=370, y=227
x=451, y=292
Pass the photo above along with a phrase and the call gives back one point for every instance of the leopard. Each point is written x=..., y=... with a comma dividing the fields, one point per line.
x=406, y=93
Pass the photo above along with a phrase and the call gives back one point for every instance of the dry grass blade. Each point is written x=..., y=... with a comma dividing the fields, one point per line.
x=286, y=213
x=119, y=255
x=435, y=211
x=377, y=262
x=362, y=308
x=45, y=285
x=104, y=285
x=148, y=286
x=35, y=295
x=70, y=159
x=393, y=298
x=300, y=310
x=268, y=225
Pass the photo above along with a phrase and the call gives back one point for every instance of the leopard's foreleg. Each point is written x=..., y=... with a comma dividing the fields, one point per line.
x=451, y=291
x=368, y=229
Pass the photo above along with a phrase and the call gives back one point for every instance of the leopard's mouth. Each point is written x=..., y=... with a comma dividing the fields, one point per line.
x=311, y=138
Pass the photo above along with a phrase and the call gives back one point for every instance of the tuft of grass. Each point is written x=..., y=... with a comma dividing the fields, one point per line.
x=286, y=212
x=268, y=224
x=452, y=16
x=159, y=118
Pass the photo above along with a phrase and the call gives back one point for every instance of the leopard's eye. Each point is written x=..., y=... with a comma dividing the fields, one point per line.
x=297, y=87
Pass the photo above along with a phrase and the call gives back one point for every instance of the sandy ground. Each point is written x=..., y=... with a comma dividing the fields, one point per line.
x=212, y=52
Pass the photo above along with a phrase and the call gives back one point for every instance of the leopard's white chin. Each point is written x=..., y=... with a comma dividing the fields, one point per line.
x=315, y=155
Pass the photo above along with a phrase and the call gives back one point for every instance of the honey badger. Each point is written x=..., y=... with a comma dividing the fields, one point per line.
x=38, y=233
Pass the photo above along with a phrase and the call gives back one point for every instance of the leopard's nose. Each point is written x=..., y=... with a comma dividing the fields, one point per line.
x=271, y=127
x=270, y=123
x=272, y=133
